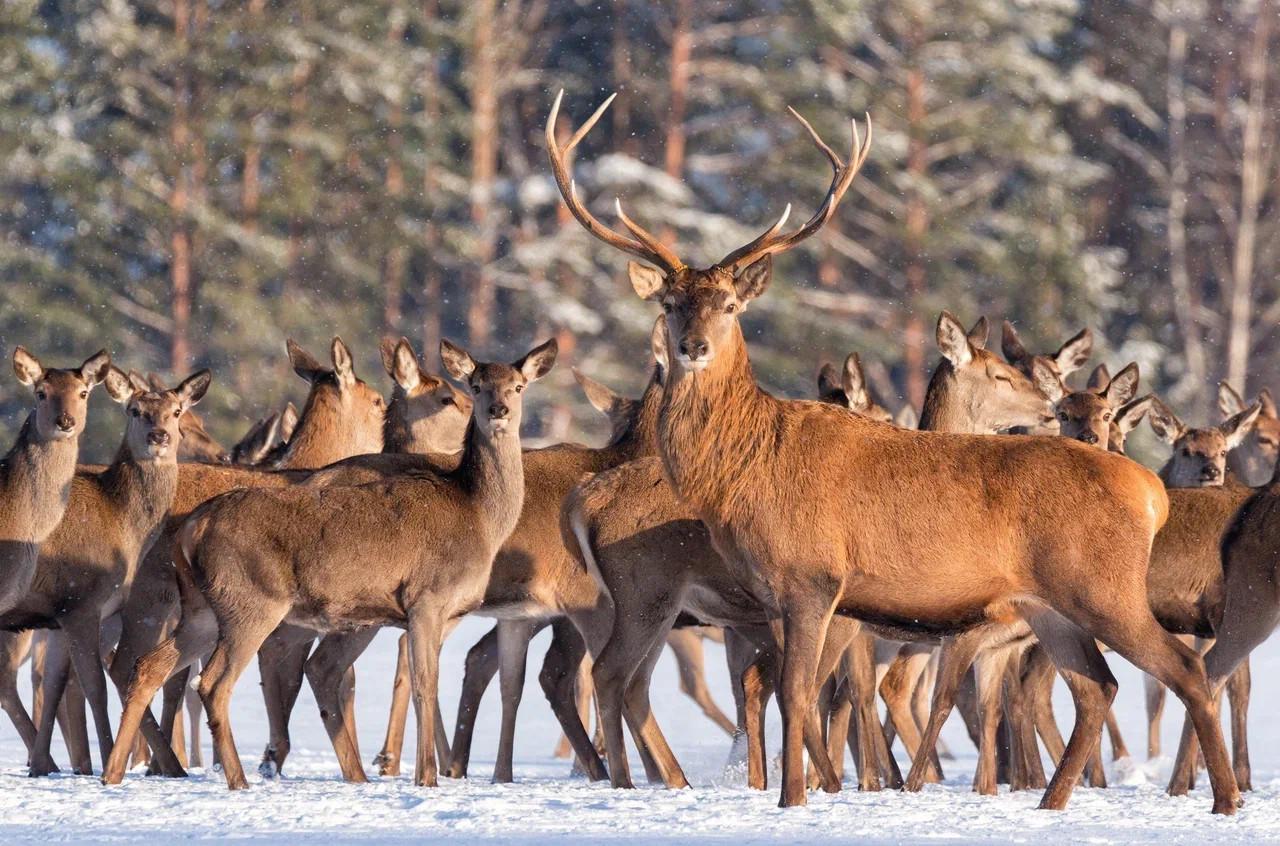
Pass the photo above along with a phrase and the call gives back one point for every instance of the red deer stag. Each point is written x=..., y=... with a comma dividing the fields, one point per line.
x=824, y=513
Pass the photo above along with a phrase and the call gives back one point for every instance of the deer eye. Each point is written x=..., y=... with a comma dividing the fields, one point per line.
x=134, y=411
x=1106, y=417
x=41, y=395
x=84, y=394
x=730, y=308
x=446, y=401
x=1000, y=377
x=1062, y=415
x=666, y=307
x=177, y=414
x=519, y=389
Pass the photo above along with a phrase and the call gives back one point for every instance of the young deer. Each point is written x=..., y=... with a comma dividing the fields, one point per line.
x=343, y=416
x=868, y=529
x=196, y=443
x=1255, y=459
x=1091, y=415
x=1069, y=358
x=1199, y=455
x=434, y=538
x=88, y=563
x=35, y=475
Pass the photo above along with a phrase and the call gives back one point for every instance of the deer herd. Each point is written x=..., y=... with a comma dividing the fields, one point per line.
x=840, y=552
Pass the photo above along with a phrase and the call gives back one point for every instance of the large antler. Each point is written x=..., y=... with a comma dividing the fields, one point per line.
x=770, y=242
x=643, y=245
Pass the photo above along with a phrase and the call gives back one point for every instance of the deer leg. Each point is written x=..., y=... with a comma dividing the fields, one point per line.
x=1029, y=768
x=659, y=761
x=1155, y=696
x=1238, y=635
x=990, y=667
x=177, y=737
x=281, y=667
x=872, y=747
x=238, y=642
x=686, y=645
x=822, y=711
x=326, y=670
x=585, y=696
x=954, y=660
x=801, y=634
x=195, y=709
x=174, y=690
x=84, y=635
x=481, y=666
x=14, y=648
x=347, y=695
x=839, y=727
x=425, y=639
x=1239, y=685
x=896, y=689
x=920, y=705
x=513, y=656
x=1038, y=680
x=558, y=679
x=57, y=668
x=188, y=643
x=1076, y=655
x=752, y=666
x=388, y=760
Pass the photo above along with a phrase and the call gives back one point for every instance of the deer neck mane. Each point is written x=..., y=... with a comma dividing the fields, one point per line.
x=717, y=432
x=35, y=477
x=143, y=491
x=322, y=436
x=492, y=474
x=945, y=408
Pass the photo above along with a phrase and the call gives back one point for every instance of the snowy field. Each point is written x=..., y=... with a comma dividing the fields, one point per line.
x=312, y=804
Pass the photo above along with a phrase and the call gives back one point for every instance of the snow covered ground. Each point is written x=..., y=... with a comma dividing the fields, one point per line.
x=312, y=804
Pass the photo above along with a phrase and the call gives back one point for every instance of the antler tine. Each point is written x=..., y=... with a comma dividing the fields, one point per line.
x=841, y=178
x=644, y=245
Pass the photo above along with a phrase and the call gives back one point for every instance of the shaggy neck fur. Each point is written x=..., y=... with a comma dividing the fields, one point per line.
x=492, y=473
x=718, y=432
x=35, y=480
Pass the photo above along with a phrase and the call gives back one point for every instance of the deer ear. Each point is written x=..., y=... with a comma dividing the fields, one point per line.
x=1011, y=345
x=404, y=366
x=304, y=363
x=855, y=384
x=539, y=360
x=1099, y=378
x=1132, y=412
x=118, y=384
x=139, y=382
x=754, y=278
x=1046, y=379
x=906, y=418
x=952, y=340
x=979, y=332
x=94, y=368
x=1229, y=402
x=1268, y=404
x=387, y=351
x=1074, y=353
x=658, y=344
x=601, y=397
x=154, y=382
x=457, y=362
x=288, y=422
x=193, y=388
x=1164, y=422
x=342, y=365
x=647, y=281
x=26, y=366
x=1123, y=387
x=828, y=380
x=1236, y=427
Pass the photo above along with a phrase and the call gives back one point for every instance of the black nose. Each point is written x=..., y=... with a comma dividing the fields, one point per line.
x=694, y=348
x=498, y=411
x=1210, y=472
x=65, y=422
x=1088, y=437
x=158, y=437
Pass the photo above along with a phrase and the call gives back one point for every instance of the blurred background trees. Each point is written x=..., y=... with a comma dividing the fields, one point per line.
x=188, y=182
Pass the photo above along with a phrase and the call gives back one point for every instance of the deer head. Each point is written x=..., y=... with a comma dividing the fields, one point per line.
x=1069, y=358
x=702, y=306
x=990, y=394
x=1261, y=448
x=62, y=396
x=849, y=389
x=341, y=408
x=1199, y=455
x=154, y=428
x=495, y=389
x=196, y=444
x=1088, y=415
x=426, y=413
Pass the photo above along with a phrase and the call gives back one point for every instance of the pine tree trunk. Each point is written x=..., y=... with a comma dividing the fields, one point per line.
x=917, y=226
x=484, y=165
x=179, y=198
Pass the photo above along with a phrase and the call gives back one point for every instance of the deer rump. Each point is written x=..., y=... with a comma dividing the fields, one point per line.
x=979, y=544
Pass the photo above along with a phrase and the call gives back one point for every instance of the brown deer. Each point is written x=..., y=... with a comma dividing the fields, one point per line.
x=343, y=415
x=1070, y=357
x=1255, y=459
x=268, y=435
x=433, y=536
x=35, y=475
x=1199, y=454
x=824, y=513
x=534, y=580
x=1249, y=610
x=88, y=563
x=1089, y=415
